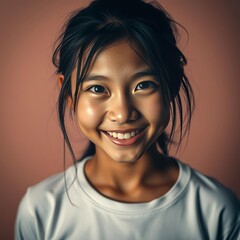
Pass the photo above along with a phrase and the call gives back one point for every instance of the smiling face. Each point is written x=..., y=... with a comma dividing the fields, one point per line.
x=120, y=106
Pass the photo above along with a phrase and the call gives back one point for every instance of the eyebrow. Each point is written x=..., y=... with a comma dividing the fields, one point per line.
x=144, y=73
x=94, y=77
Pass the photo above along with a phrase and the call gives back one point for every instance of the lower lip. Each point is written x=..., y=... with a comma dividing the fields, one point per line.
x=125, y=142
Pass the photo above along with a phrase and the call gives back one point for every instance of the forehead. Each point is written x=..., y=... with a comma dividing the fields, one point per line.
x=117, y=56
x=118, y=60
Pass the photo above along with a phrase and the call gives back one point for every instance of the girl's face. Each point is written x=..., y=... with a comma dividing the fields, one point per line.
x=120, y=106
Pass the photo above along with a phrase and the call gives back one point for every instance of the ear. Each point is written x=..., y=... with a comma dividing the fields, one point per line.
x=60, y=79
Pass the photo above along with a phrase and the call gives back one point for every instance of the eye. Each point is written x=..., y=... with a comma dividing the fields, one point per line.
x=97, y=89
x=146, y=85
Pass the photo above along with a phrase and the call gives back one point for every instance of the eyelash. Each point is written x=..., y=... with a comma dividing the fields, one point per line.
x=150, y=84
x=143, y=85
x=97, y=86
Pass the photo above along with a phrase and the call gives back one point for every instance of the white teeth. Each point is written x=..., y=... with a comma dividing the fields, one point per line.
x=120, y=136
x=127, y=135
x=123, y=135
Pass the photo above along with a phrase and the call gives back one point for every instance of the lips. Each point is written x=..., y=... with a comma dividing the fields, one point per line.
x=124, y=137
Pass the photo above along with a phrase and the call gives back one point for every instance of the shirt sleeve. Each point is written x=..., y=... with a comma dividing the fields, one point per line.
x=26, y=224
x=232, y=217
x=234, y=233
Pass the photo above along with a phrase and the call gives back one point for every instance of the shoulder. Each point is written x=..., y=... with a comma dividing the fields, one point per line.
x=51, y=188
x=40, y=202
x=216, y=205
x=206, y=189
x=212, y=190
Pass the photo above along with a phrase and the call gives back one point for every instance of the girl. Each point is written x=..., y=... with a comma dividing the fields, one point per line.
x=122, y=76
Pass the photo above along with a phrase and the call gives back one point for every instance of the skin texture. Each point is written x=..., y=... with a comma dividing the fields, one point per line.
x=121, y=94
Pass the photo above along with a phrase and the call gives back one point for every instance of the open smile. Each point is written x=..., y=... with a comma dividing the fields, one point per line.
x=124, y=137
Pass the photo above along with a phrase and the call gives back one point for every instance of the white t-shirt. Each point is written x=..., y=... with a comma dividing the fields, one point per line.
x=196, y=207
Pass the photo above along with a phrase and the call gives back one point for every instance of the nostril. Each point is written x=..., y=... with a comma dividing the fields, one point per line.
x=123, y=115
x=121, y=109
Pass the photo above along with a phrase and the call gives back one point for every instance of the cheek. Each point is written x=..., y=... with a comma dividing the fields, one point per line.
x=156, y=112
x=89, y=114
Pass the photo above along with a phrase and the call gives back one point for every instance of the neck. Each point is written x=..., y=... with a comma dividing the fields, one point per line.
x=105, y=173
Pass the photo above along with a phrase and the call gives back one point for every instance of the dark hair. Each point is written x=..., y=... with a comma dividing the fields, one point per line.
x=151, y=33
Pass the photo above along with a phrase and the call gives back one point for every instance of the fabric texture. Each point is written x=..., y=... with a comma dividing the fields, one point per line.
x=196, y=207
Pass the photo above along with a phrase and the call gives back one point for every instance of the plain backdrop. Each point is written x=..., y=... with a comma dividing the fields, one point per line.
x=31, y=145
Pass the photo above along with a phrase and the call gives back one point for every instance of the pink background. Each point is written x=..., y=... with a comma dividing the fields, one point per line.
x=31, y=143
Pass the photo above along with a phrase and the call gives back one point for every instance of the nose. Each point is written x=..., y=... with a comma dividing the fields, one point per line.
x=122, y=110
